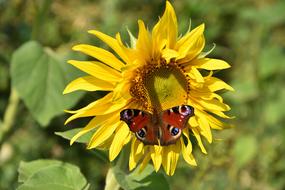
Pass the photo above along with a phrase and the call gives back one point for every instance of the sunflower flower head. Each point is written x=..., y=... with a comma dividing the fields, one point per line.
x=157, y=97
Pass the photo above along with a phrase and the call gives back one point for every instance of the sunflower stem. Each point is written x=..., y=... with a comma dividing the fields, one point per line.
x=111, y=182
x=9, y=115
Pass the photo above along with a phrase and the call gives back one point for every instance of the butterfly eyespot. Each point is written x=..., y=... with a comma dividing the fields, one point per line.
x=128, y=114
x=185, y=110
x=174, y=131
x=141, y=133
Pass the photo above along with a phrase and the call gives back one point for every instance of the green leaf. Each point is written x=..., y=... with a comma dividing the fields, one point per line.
x=84, y=139
x=147, y=179
x=50, y=174
x=244, y=150
x=27, y=169
x=71, y=133
x=40, y=77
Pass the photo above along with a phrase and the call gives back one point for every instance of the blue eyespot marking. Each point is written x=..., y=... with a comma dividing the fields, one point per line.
x=128, y=114
x=174, y=131
x=141, y=133
x=185, y=110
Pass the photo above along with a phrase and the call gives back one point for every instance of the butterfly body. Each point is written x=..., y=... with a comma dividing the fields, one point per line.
x=163, y=128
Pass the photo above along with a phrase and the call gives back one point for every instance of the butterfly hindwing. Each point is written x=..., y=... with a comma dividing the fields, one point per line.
x=140, y=123
x=174, y=120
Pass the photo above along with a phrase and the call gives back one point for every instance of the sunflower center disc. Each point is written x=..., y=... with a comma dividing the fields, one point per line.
x=166, y=87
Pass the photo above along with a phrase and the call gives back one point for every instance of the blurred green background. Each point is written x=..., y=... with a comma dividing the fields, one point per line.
x=249, y=34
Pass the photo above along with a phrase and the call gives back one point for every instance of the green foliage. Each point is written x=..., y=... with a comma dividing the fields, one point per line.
x=39, y=77
x=269, y=62
x=147, y=179
x=248, y=34
x=245, y=155
x=50, y=174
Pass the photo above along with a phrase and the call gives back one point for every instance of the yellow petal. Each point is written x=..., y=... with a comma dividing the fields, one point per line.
x=205, y=128
x=105, y=145
x=121, y=90
x=143, y=43
x=136, y=153
x=217, y=124
x=130, y=52
x=112, y=43
x=194, y=51
x=193, y=121
x=156, y=156
x=101, y=101
x=139, y=146
x=165, y=31
x=128, y=138
x=169, y=54
x=212, y=105
x=118, y=141
x=191, y=44
x=103, y=133
x=88, y=83
x=170, y=158
x=169, y=17
x=215, y=84
x=100, y=107
x=145, y=162
x=199, y=140
x=214, y=96
x=187, y=151
x=174, y=156
x=222, y=114
x=100, y=54
x=210, y=64
x=195, y=74
x=95, y=122
x=97, y=69
x=195, y=102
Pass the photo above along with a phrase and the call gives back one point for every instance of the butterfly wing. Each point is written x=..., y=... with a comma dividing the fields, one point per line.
x=140, y=123
x=173, y=121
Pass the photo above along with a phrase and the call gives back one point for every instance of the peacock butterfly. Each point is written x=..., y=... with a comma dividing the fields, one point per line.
x=163, y=128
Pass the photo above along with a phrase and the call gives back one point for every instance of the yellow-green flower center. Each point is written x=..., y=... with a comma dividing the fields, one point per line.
x=160, y=86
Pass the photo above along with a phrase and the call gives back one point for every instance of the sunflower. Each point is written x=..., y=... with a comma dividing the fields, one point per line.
x=157, y=72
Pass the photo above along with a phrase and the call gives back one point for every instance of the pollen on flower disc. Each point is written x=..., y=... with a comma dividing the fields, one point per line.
x=160, y=86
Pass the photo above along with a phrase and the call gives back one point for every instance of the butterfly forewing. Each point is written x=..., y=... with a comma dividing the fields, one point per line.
x=141, y=124
x=174, y=121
